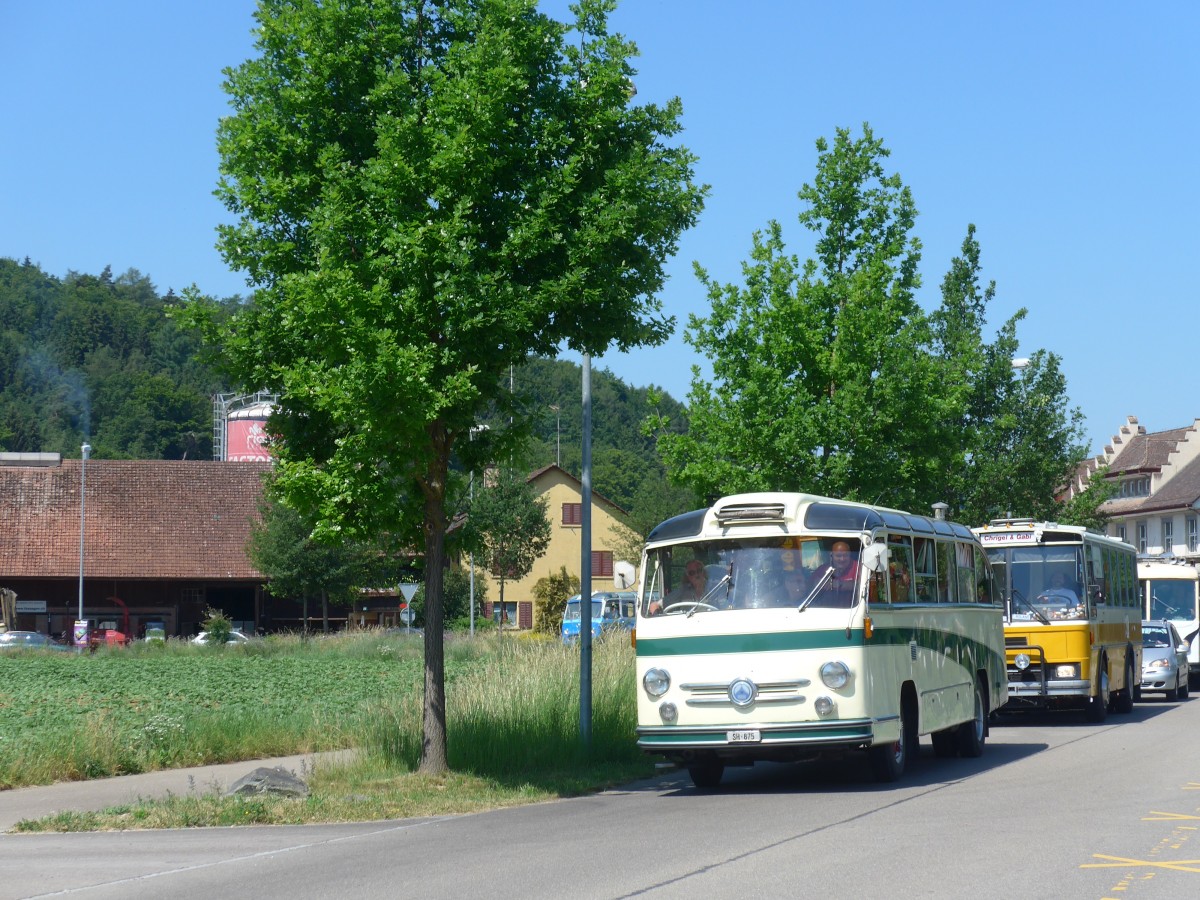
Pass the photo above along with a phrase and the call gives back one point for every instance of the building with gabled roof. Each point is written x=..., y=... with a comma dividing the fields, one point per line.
x=563, y=493
x=1156, y=506
x=163, y=540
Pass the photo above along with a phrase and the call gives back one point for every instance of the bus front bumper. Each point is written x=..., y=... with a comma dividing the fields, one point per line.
x=780, y=741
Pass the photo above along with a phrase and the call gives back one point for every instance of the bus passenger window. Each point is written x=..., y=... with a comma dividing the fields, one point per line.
x=926, y=571
x=900, y=567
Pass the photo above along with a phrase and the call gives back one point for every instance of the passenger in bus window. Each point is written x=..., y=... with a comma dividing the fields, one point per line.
x=901, y=580
x=838, y=578
x=845, y=566
x=797, y=585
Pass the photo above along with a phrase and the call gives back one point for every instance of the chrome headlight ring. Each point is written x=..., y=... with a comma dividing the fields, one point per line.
x=656, y=681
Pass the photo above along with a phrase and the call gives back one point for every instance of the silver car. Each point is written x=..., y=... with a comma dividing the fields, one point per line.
x=1164, y=660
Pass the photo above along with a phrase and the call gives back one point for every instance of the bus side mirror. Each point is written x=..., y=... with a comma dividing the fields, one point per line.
x=874, y=558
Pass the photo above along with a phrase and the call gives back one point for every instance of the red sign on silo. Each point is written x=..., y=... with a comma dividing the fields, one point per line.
x=246, y=435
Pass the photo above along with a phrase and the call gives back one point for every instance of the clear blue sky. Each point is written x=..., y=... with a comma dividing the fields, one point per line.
x=1066, y=132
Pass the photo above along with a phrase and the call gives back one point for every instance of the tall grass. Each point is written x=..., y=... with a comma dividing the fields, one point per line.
x=517, y=711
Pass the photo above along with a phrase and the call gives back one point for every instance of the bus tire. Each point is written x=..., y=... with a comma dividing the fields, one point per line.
x=945, y=743
x=888, y=761
x=1124, y=698
x=1097, y=706
x=706, y=775
x=973, y=733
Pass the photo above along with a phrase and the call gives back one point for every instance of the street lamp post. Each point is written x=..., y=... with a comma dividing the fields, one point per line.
x=585, y=565
x=86, y=452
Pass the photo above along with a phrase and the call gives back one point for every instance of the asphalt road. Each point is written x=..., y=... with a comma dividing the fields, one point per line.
x=1055, y=808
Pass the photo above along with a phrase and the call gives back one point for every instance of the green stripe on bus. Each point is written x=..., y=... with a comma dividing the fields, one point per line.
x=749, y=643
x=931, y=639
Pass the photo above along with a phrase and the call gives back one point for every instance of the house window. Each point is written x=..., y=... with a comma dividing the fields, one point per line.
x=602, y=563
x=1193, y=540
x=1168, y=535
x=1136, y=487
x=572, y=513
x=1121, y=533
x=1141, y=537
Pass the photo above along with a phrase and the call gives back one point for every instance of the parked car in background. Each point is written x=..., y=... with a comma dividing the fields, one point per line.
x=235, y=637
x=611, y=610
x=28, y=640
x=1164, y=660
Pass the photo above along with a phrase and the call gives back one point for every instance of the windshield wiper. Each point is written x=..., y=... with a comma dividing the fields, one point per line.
x=812, y=595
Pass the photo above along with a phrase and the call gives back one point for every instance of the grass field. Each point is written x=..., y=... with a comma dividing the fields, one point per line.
x=512, y=723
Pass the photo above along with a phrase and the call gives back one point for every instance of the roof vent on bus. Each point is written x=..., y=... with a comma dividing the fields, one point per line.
x=750, y=512
x=1011, y=522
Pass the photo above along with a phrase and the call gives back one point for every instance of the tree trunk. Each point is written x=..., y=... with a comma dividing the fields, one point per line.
x=434, y=760
x=304, y=615
x=324, y=611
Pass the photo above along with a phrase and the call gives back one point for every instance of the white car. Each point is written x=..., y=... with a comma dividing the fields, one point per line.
x=235, y=637
x=1164, y=660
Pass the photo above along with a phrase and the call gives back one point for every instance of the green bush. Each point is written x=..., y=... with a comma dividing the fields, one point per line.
x=218, y=627
x=550, y=595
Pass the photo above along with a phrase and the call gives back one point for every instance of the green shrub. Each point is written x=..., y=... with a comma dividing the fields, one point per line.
x=218, y=627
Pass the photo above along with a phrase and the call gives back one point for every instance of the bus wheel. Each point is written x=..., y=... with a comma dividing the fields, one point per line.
x=1124, y=699
x=945, y=743
x=1097, y=707
x=707, y=774
x=972, y=734
x=888, y=761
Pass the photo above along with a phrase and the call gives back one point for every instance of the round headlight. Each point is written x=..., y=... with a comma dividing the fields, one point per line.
x=1022, y=661
x=742, y=691
x=823, y=706
x=669, y=712
x=656, y=682
x=835, y=674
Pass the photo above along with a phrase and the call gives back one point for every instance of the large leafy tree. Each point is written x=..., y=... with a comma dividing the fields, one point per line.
x=819, y=379
x=282, y=548
x=425, y=192
x=1017, y=440
x=828, y=377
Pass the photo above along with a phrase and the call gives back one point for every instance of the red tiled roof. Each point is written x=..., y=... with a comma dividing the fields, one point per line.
x=149, y=519
x=1147, y=452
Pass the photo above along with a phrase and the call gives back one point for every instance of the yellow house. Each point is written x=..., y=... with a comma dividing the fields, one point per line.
x=564, y=504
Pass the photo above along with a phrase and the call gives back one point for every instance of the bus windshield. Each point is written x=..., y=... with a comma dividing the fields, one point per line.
x=1045, y=583
x=752, y=573
x=1174, y=600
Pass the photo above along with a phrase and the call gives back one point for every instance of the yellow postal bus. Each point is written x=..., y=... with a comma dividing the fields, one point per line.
x=1073, y=622
x=782, y=626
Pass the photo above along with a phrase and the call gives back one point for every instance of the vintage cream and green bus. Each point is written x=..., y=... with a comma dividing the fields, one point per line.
x=1073, y=622
x=783, y=626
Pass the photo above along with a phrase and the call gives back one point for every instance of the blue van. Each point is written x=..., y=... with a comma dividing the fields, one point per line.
x=611, y=610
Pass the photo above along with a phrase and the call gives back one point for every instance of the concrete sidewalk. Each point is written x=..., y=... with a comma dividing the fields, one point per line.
x=101, y=793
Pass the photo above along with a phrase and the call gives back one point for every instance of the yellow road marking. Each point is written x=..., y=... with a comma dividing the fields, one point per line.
x=1182, y=865
x=1156, y=816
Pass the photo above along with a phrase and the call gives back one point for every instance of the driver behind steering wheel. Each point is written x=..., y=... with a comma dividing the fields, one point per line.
x=692, y=590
